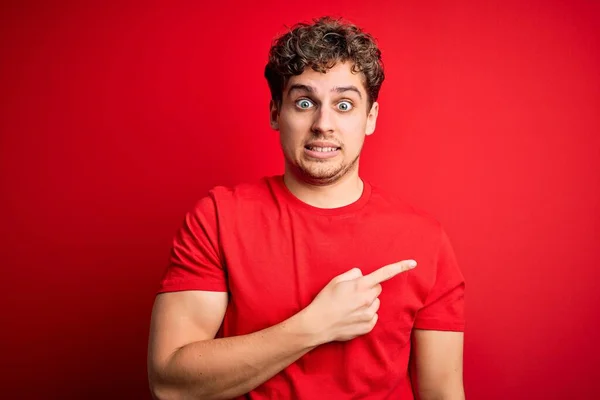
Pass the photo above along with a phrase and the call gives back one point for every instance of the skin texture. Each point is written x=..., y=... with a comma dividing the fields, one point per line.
x=332, y=107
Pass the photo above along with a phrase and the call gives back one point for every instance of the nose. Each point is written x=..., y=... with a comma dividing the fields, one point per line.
x=323, y=122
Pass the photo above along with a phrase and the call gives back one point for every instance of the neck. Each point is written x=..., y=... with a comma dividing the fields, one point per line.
x=340, y=193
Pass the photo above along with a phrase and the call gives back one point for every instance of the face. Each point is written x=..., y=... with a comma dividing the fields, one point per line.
x=323, y=121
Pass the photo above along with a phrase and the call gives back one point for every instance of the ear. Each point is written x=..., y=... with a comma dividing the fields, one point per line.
x=274, y=115
x=372, y=118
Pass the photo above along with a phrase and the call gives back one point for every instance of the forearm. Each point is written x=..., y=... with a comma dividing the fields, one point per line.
x=229, y=367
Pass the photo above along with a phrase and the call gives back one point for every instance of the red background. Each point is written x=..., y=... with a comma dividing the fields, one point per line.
x=115, y=119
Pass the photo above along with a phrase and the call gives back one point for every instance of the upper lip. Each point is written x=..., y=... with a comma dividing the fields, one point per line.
x=322, y=144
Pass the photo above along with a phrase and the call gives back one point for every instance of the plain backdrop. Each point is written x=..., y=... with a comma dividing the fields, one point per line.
x=116, y=117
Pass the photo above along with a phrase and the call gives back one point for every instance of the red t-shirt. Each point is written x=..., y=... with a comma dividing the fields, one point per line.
x=273, y=253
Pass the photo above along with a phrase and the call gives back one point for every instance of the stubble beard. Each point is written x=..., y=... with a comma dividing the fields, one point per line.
x=322, y=172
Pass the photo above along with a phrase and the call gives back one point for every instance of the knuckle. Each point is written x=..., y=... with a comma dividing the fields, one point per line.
x=375, y=318
x=373, y=322
x=370, y=312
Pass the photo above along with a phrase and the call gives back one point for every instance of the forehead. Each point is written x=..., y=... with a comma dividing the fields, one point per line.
x=340, y=75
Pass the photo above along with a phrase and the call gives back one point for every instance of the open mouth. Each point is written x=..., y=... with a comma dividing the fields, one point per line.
x=322, y=149
x=321, y=152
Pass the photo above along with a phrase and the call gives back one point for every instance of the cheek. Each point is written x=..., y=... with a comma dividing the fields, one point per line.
x=353, y=132
x=290, y=139
x=293, y=130
x=353, y=147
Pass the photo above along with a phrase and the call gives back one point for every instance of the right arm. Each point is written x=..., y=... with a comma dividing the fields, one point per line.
x=185, y=361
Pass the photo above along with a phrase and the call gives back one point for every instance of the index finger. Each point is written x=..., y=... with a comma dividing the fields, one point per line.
x=388, y=272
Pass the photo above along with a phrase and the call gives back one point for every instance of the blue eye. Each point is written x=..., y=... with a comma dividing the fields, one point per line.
x=304, y=104
x=345, y=106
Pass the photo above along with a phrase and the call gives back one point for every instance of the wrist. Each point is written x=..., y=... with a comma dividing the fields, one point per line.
x=305, y=327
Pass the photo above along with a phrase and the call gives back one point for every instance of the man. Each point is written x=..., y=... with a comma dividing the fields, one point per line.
x=305, y=286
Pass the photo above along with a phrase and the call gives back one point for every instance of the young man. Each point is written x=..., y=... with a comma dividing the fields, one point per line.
x=305, y=286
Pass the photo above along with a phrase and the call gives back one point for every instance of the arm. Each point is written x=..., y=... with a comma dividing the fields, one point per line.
x=438, y=365
x=186, y=362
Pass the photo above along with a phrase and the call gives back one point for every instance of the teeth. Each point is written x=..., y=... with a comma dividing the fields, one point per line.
x=323, y=149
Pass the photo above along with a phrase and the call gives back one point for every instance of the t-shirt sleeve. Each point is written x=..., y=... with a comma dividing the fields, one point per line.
x=195, y=262
x=444, y=306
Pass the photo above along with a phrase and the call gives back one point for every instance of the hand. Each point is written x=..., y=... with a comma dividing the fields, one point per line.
x=347, y=306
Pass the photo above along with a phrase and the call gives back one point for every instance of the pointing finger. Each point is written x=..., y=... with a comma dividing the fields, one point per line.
x=388, y=272
x=349, y=275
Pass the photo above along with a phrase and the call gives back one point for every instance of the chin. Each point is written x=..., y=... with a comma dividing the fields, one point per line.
x=321, y=176
x=320, y=172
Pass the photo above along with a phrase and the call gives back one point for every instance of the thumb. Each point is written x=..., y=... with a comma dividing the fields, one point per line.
x=349, y=275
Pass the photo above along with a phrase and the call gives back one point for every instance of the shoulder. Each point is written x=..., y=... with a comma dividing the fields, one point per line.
x=223, y=197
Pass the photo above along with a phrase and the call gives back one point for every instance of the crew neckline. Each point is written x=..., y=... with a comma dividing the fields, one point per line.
x=348, y=208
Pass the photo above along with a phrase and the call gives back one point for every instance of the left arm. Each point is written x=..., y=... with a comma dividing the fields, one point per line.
x=437, y=365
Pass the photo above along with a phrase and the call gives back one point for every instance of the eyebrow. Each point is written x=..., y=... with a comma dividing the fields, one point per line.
x=342, y=89
x=337, y=89
x=297, y=86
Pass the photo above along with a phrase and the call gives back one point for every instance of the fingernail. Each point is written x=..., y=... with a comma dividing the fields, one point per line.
x=412, y=263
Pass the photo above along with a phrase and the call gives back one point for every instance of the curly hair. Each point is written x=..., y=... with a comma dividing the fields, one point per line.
x=320, y=46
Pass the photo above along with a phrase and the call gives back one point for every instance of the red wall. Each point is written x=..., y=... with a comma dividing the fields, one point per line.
x=115, y=119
